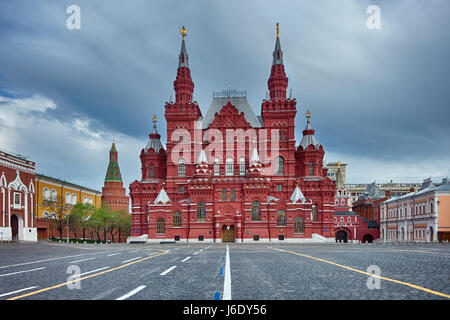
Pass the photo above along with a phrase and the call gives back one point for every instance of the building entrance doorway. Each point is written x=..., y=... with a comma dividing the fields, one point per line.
x=14, y=227
x=228, y=233
x=341, y=236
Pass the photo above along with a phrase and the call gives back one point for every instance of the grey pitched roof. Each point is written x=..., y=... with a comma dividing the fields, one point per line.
x=372, y=192
x=240, y=102
x=308, y=139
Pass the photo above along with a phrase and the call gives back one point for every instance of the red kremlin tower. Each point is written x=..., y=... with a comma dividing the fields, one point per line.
x=113, y=191
x=222, y=189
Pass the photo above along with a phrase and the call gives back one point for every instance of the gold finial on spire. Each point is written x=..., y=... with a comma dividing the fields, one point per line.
x=113, y=140
x=308, y=114
x=183, y=32
x=278, y=30
x=154, y=118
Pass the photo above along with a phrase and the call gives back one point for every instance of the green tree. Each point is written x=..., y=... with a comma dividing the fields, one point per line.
x=124, y=226
x=80, y=214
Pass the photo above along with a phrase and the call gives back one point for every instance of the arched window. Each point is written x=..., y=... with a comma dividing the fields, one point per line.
x=256, y=211
x=54, y=195
x=181, y=168
x=201, y=211
x=284, y=136
x=90, y=200
x=46, y=194
x=160, y=228
x=431, y=208
x=314, y=214
x=232, y=195
x=176, y=219
x=229, y=167
x=242, y=166
x=68, y=198
x=85, y=200
x=224, y=195
x=280, y=166
x=74, y=199
x=45, y=215
x=311, y=169
x=152, y=172
x=281, y=218
x=298, y=225
x=216, y=166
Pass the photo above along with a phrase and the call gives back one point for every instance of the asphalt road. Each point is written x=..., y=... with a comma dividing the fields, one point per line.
x=206, y=272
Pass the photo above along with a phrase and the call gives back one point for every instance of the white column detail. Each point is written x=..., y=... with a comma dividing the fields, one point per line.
x=25, y=196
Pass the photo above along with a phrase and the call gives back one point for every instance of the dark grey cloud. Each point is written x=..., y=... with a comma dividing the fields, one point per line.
x=374, y=94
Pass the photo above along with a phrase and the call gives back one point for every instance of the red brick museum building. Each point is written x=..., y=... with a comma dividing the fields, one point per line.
x=231, y=175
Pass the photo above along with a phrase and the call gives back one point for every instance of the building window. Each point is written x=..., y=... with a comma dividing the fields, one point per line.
x=255, y=237
x=284, y=135
x=68, y=198
x=229, y=167
x=281, y=218
x=256, y=211
x=224, y=195
x=90, y=200
x=152, y=172
x=298, y=225
x=314, y=213
x=177, y=238
x=216, y=166
x=160, y=226
x=74, y=199
x=201, y=211
x=311, y=169
x=182, y=168
x=349, y=219
x=201, y=238
x=17, y=200
x=177, y=219
x=279, y=187
x=46, y=194
x=242, y=166
x=181, y=189
x=232, y=195
x=280, y=166
x=45, y=215
x=54, y=195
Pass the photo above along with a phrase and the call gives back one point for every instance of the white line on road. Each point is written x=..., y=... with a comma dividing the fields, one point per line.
x=17, y=291
x=185, y=259
x=129, y=294
x=82, y=260
x=168, y=270
x=81, y=274
x=197, y=252
x=227, y=280
x=51, y=259
x=131, y=259
x=10, y=274
x=114, y=254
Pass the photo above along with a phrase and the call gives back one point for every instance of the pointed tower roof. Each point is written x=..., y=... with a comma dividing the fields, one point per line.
x=113, y=171
x=154, y=142
x=162, y=197
x=297, y=195
x=183, y=84
x=183, y=58
x=277, y=52
x=278, y=81
x=255, y=156
x=308, y=134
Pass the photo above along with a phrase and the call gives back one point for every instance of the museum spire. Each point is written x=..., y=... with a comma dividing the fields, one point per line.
x=278, y=81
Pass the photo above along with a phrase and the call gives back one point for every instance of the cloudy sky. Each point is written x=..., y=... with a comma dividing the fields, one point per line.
x=380, y=98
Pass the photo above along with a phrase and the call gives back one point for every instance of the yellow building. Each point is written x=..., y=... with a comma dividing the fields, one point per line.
x=52, y=192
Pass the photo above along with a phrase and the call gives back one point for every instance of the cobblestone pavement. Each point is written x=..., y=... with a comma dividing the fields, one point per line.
x=207, y=272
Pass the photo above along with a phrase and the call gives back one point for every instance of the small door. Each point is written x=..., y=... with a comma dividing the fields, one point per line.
x=14, y=227
x=228, y=235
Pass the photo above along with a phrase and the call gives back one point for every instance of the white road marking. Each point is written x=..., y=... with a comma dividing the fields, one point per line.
x=81, y=274
x=227, y=280
x=197, y=252
x=10, y=274
x=129, y=294
x=131, y=259
x=168, y=270
x=51, y=259
x=17, y=291
x=185, y=259
x=114, y=254
x=82, y=260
